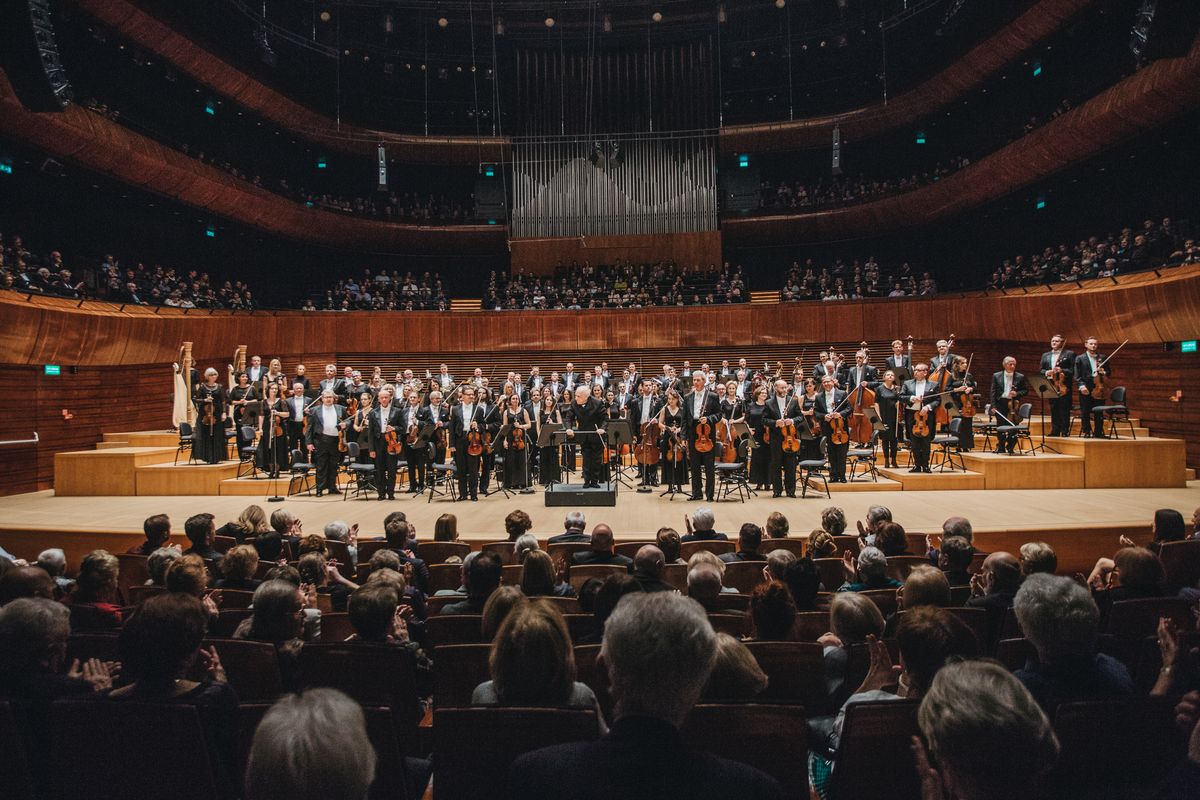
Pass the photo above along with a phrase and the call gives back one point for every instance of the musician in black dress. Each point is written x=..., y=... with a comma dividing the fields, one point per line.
x=963, y=383
x=672, y=418
x=438, y=413
x=779, y=412
x=208, y=437
x=919, y=394
x=587, y=413
x=810, y=431
x=887, y=396
x=1009, y=388
x=360, y=427
x=831, y=405
x=759, y=456
x=1059, y=362
x=244, y=409
x=466, y=417
x=516, y=444
x=701, y=406
x=272, y=433
x=642, y=409
x=548, y=467
x=489, y=416
x=385, y=418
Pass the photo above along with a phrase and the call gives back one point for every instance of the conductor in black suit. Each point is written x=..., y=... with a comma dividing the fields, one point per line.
x=830, y=404
x=324, y=422
x=918, y=394
x=1054, y=361
x=701, y=405
x=777, y=410
x=385, y=418
x=588, y=414
x=1009, y=387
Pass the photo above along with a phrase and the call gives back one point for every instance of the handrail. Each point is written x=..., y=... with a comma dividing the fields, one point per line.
x=34, y=440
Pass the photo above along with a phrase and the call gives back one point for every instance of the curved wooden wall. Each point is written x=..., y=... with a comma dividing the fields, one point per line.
x=99, y=144
x=229, y=81
x=1137, y=104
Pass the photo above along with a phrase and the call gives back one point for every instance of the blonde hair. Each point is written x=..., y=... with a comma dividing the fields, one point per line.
x=736, y=675
x=705, y=557
x=240, y=562
x=532, y=660
x=537, y=574
x=253, y=520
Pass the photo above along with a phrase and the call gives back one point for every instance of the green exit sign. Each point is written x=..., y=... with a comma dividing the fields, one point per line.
x=1188, y=347
x=53, y=369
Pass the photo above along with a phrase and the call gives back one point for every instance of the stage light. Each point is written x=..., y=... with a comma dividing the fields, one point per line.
x=443, y=22
x=606, y=23
x=321, y=162
x=211, y=232
x=210, y=108
x=6, y=167
x=549, y=22
x=325, y=16
x=1187, y=346
x=499, y=26
x=743, y=160
x=656, y=16
x=1040, y=203
x=721, y=17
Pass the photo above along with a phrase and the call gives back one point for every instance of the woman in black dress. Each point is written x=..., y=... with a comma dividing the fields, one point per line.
x=516, y=446
x=272, y=433
x=243, y=400
x=810, y=434
x=671, y=420
x=548, y=412
x=208, y=436
x=887, y=394
x=360, y=427
x=962, y=383
x=759, y=454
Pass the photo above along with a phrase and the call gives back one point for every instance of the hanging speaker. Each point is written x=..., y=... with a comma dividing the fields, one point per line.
x=29, y=55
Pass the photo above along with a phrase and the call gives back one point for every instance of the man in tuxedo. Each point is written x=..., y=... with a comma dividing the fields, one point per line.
x=556, y=386
x=643, y=408
x=384, y=419
x=830, y=405
x=633, y=379
x=600, y=377
x=490, y=416
x=324, y=422
x=570, y=377
x=944, y=358
x=861, y=374
x=297, y=405
x=444, y=379
x=725, y=373
x=255, y=371
x=466, y=417
x=658, y=651
x=1056, y=360
x=588, y=414
x=899, y=358
x=534, y=384
x=917, y=394
x=701, y=405
x=742, y=392
x=780, y=410
x=623, y=396
x=413, y=419
x=1086, y=366
x=438, y=414
x=1009, y=387
x=332, y=382
x=830, y=370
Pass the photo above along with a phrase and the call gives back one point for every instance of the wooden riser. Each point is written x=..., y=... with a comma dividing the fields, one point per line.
x=1041, y=471
x=262, y=487
x=1128, y=463
x=183, y=479
x=144, y=438
x=104, y=472
x=1036, y=424
x=935, y=481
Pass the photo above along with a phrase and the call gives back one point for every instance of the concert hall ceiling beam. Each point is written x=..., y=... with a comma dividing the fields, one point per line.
x=99, y=144
x=229, y=81
x=944, y=88
x=1138, y=104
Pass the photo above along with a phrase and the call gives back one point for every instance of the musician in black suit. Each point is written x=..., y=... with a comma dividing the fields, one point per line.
x=861, y=374
x=1086, y=365
x=385, y=418
x=1054, y=361
x=830, y=405
x=438, y=413
x=778, y=411
x=944, y=358
x=413, y=417
x=297, y=405
x=1009, y=387
x=256, y=370
x=642, y=408
x=324, y=422
x=587, y=413
x=464, y=418
x=332, y=381
x=490, y=416
x=918, y=394
x=899, y=358
x=701, y=405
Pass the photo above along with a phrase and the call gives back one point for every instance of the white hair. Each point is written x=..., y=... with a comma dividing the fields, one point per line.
x=659, y=649
x=53, y=561
x=575, y=519
x=871, y=561
x=30, y=627
x=337, y=530
x=294, y=755
x=879, y=514
x=525, y=543
x=1057, y=615
x=703, y=519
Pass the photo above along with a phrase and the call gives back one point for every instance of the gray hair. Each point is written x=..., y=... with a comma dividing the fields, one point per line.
x=703, y=519
x=777, y=560
x=649, y=560
x=1057, y=615
x=54, y=561
x=704, y=583
x=293, y=754
x=987, y=731
x=659, y=648
x=525, y=543
x=852, y=616
x=337, y=531
x=158, y=562
x=877, y=514
x=575, y=519
x=871, y=562
x=957, y=526
x=31, y=627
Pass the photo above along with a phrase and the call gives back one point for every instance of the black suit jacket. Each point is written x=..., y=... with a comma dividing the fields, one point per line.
x=378, y=429
x=851, y=380
x=903, y=361
x=1084, y=377
x=460, y=425
x=593, y=557
x=820, y=411
x=1066, y=362
x=771, y=415
x=314, y=422
x=587, y=417
x=1019, y=383
x=635, y=410
x=710, y=409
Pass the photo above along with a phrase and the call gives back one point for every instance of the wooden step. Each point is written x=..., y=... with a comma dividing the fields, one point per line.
x=1128, y=463
x=1040, y=471
x=159, y=438
x=935, y=481
x=1036, y=424
x=83, y=473
x=183, y=479
x=263, y=487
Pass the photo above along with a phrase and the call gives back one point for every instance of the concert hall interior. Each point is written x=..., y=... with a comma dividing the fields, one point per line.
x=600, y=398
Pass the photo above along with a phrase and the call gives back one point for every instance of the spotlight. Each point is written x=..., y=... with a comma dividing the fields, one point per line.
x=443, y=22
x=656, y=16
x=606, y=23
x=721, y=13
x=780, y=3
x=325, y=16
x=389, y=24
x=499, y=26
x=549, y=22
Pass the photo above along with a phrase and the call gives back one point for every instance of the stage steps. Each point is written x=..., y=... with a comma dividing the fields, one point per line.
x=141, y=439
x=1036, y=424
x=934, y=481
x=183, y=479
x=1128, y=463
x=111, y=471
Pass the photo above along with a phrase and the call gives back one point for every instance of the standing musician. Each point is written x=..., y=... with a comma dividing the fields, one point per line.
x=361, y=425
x=356, y=387
x=1087, y=365
x=643, y=408
x=465, y=418
x=272, y=433
x=570, y=376
x=624, y=395
x=516, y=458
x=439, y=414
x=798, y=381
x=587, y=413
x=918, y=395
x=887, y=395
x=633, y=380
x=413, y=416
x=275, y=372
x=614, y=407
x=332, y=382
x=827, y=407
x=830, y=370
x=240, y=399
x=742, y=386
x=861, y=374
x=1055, y=362
x=760, y=459
x=779, y=411
x=489, y=416
x=208, y=436
x=810, y=431
x=818, y=371
x=302, y=378
x=297, y=407
x=556, y=385
x=899, y=358
x=534, y=385
x=1008, y=388
x=255, y=371
x=944, y=357
x=672, y=417
x=962, y=383
x=385, y=418
x=444, y=379
x=701, y=405
x=547, y=413
x=324, y=422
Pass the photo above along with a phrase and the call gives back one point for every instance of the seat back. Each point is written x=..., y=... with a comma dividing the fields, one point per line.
x=588, y=672
x=898, y=567
x=715, y=546
x=832, y=575
x=460, y=668
x=236, y=598
x=433, y=605
x=122, y=738
x=885, y=599
x=86, y=618
x=438, y=552
x=185, y=433
x=368, y=548
x=954, y=426
x=736, y=625
x=444, y=576
x=252, y=668
x=565, y=605
x=1181, y=562
x=629, y=549
x=793, y=546
x=975, y=618
x=728, y=601
x=510, y=574
x=104, y=646
x=1023, y=413
x=227, y=622
x=502, y=549
x=16, y=775
x=133, y=570
x=875, y=757
x=374, y=675
x=773, y=739
x=453, y=629
x=137, y=595
x=796, y=674
x=810, y=626
x=1117, y=396
x=473, y=748
x=298, y=459
x=676, y=575
x=1014, y=653
x=564, y=550
x=1135, y=619
x=744, y=575
x=223, y=544
x=335, y=627
x=858, y=662
x=580, y=573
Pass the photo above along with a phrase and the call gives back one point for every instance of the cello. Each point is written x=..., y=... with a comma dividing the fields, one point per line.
x=941, y=380
x=646, y=451
x=860, y=426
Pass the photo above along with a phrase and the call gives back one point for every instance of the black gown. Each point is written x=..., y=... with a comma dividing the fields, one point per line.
x=674, y=473
x=887, y=400
x=549, y=470
x=760, y=457
x=244, y=415
x=516, y=461
x=268, y=441
x=208, y=439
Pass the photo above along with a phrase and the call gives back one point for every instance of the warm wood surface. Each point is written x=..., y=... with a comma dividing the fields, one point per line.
x=541, y=256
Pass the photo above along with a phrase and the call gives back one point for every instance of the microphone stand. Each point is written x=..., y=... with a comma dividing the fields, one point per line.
x=274, y=497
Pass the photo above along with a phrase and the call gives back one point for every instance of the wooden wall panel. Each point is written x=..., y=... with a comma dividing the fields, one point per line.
x=541, y=256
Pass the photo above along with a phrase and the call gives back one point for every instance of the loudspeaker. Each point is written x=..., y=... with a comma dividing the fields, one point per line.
x=740, y=189
x=574, y=495
x=1163, y=29
x=29, y=55
x=489, y=197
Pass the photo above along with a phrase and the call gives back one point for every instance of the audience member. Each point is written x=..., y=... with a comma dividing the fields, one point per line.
x=803, y=580
x=994, y=588
x=1134, y=573
x=238, y=568
x=891, y=539
x=20, y=582
x=648, y=565
x=749, y=538
x=445, y=529
x=538, y=577
x=249, y=524
x=704, y=586
x=669, y=542
x=821, y=544
x=158, y=533
x=96, y=589
x=278, y=618
x=777, y=526
x=852, y=618
x=573, y=529
x=1038, y=557
x=497, y=607
x=516, y=524
x=955, y=560
x=772, y=612
x=700, y=526
x=33, y=653
x=777, y=561
x=705, y=558
x=482, y=575
x=602, y=551
x=736, y=676
x=833, y=521
x=525, y=544
x=54, y=561
x=158, y=562
x=868, y=572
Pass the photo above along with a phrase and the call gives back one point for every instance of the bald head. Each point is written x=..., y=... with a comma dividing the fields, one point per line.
x=649, y=560
x=1002, y=572
x=602, y=538
x=26, y=582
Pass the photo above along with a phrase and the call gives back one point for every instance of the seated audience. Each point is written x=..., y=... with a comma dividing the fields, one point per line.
x=238, y=568
x=820, y=544
x=777, y=526
x=955, y=560
x=54, y=561
x=497, y=607
x=378, y=618
x=33, y=652
x=269, y=546
x=648, y=565
x=602, y=550
x=158, y=562
x=868, y=572
x=201, y=533
x=703, y=557
x=700, y=526
x=1038, y=557
x=340, y=531
x=158, y=533
x=482, y=574
x=278, y=618
x=538, y=577
x=749, y=538
x=445, y=529
x=611, y=591
x=803, y=580
x=777, y=561
x=704, y=586
x=994, y=588
x=96, y=589
x=573, y=529
x=736, y=676
x=516, y=524
x=772, y=613
x=891, y=539
x=399, y=534
x=668, y=541
x=18, y=582
x=525, y=544
x=852, y=618
x=1133, y=573
x=876, y=517
x=249, y=524
x=833, y=521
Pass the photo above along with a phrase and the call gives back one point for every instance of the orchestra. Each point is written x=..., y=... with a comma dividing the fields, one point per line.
x=682, y=422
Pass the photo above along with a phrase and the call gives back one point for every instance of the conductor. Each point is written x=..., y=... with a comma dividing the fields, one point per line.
x=588, y=414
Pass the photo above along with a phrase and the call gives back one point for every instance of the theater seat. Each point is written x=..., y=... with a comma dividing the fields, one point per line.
x=875, y=758
x=771, y=738
x=460, y=668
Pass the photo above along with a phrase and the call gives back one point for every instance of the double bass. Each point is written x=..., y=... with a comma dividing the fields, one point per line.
x=941, y=380
x=647, y=452
x=861, y=428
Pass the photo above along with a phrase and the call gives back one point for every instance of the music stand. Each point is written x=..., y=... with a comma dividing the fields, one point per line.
x=618, y=433
x=555, y=433
x=497, y=466
x=902, y=374
x=1042, y=386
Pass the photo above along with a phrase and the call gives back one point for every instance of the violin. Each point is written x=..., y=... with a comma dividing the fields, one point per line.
x=920, y=424
x=791, y=442
x=968, y=408
x=837, y=431
x=675, y=448
x=518, y=438
x=704, y=442
x=394, y=445
x=1099, y=389
x=210, y=416
x=414, y=433
x=725, y=437
x=474, y=443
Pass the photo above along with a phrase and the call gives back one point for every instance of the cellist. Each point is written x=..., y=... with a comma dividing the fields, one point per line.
x=642, y=409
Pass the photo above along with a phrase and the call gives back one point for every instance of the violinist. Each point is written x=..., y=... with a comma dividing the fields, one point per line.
x=779, y=412
x=587, y=413
x=918, y=395
x=702, y=408
x=759, y=460
x=1009, y=387
x=325, y=421
x=243, y=402
x=1087, y=365
x=208, y=437
x=672, y=417
x=1058, y=367
x=444, y=379
x=798, y=381
x=332, y=381
x=547, y=413
x=439, y=414
x=642, y=409
x=357, y=387
x=360, y=424
x=887, y=395
x=385, y=419
x=489, y=416
x=416, y=453
x=297, y=406
x=831, y=405
x=810, y=432
x=466, y=418
x=819, y=368
x=830, y=370
x=899, y=358
x=516, y=443
x=962, y=383
x=272, y=433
